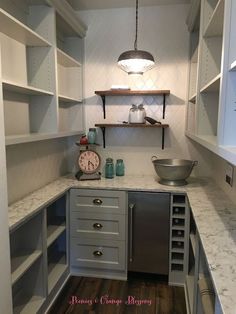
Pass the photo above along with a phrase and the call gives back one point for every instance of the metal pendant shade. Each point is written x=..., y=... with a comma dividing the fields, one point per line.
x=136, y=61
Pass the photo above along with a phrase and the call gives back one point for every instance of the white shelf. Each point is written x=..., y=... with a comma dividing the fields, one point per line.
x=35, y=137
x=212, y=86
x=66, y=60
x=54, y=232
x=210, y=142
x=233, y=66
x=24, y=89
x=22, y=261
x=193, y=98
x=18, y=31
x=29, y=304
x=68, y=99
x=215, y=25
x=55, y=271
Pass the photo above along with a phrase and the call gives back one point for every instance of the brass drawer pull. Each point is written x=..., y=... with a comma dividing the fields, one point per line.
x=97, y=201
x=97, y=226
x=97, y=253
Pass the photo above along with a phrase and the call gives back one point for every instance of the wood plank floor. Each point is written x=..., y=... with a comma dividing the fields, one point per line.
x=138, y=295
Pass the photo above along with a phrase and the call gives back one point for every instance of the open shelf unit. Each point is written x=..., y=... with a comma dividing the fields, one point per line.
x=214, y=27
x=39, y=263
x=128, y=92
x=103, y=127
x=56, y=214
x=211, y=111
x=42, y=83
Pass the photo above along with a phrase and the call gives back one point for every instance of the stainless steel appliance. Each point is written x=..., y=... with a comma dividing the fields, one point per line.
x=149, y=215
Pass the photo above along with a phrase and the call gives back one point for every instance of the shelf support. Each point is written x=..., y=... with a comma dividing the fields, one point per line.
x=163, y=139
x=164, y=106
x=104, y=136
x=104, y=105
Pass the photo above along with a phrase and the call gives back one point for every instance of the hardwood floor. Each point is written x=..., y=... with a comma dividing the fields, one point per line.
x=138, y=295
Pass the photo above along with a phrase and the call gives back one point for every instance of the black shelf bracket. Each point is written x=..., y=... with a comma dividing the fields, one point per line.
x=104, y=136
x=163, y=139
x=164, y=106
x=104, y=105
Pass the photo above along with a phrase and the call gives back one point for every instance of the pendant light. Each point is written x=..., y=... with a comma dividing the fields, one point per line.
x=136, y=61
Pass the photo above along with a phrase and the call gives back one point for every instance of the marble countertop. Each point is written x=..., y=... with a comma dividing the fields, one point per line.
x=214, y=213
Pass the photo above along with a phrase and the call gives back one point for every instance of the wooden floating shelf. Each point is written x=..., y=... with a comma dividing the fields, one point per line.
x=129, y=92
x=131, y=125
x=103, y=127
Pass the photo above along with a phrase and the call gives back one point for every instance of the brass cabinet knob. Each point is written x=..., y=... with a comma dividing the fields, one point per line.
x=97, y=226
x=97, y=201
x=97, y=253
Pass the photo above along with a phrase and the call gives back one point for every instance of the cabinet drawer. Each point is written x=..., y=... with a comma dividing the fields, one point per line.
x=100, y=254
x=97, y=226
x=101, y=201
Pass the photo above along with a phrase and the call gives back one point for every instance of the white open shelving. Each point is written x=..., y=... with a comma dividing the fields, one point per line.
x=215, y=26
x=212, y=86
x=22, y=261
x=53, y=232
x=214, y=113
x=24, y=89
x=233, y=66
x=14, y=29
x=35, y=137
x=42, y=83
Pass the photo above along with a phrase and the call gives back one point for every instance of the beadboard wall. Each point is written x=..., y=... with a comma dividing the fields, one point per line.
x=31, y=166
x=163, y=32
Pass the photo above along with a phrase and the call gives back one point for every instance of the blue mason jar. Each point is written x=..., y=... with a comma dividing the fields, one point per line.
x=120, y=167
x=109, y=168
x=92, y=136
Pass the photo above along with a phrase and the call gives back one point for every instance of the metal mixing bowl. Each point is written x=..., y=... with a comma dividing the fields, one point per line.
x=173, y=171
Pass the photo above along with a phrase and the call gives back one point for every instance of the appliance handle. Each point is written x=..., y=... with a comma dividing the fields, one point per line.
x=131, y=209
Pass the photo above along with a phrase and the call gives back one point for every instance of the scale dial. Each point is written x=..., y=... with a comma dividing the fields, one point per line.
x=89, y=161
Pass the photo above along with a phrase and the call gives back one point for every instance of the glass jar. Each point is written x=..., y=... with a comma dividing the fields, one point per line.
x=109, y=168
x=133, y=114
x=142, y=113
x=92, y=136
x=120, y=168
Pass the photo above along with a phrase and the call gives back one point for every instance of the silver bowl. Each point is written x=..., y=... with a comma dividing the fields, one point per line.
x=173, y=171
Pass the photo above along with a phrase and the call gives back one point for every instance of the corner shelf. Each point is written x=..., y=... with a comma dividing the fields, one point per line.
x=192, y=99
x=133, y=125
x=212, y=86
x=22, y=261
x=24, y=89
x=36, y=137
x=233, y=66
x=215, y=25
x=128, y=92
x=13, y=28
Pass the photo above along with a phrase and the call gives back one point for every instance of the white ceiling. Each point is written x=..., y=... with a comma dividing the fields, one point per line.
x=109, y=4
